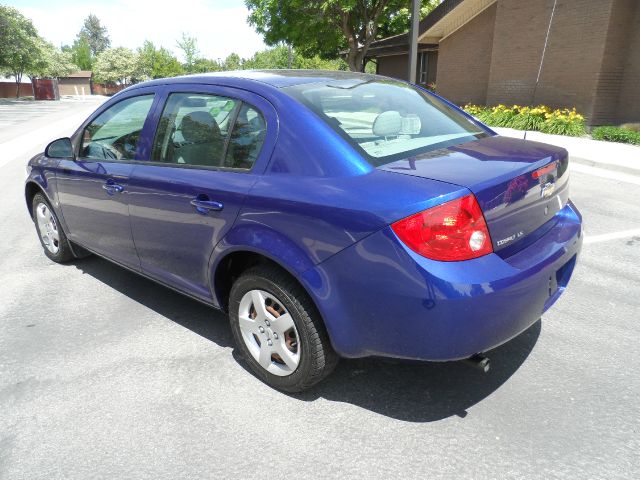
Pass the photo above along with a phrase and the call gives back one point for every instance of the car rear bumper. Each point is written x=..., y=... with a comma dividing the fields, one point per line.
x=377, y=297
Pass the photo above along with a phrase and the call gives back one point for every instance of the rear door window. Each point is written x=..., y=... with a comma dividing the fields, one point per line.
x=208, y=131
x=246, y=138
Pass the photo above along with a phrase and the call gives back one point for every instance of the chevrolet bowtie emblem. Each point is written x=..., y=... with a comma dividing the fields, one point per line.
x=548, y=189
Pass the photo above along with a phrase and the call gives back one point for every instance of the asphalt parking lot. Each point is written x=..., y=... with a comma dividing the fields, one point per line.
x=106, y=375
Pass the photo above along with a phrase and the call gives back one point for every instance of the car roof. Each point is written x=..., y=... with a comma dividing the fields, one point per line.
x=274, y=78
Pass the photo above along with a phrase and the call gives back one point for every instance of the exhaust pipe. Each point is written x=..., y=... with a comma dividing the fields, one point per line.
x=479, y=361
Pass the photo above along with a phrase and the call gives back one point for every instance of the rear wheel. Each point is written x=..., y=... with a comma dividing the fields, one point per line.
x=278, y=330
x=52, y=237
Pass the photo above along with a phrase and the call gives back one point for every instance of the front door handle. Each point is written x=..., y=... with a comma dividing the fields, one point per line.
x=204, y=205
x=112, y=187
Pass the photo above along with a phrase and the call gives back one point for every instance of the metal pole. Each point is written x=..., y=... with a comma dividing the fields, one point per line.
x=413, y=40
x=290, y=55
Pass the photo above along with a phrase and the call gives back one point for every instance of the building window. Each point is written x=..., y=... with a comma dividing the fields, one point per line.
x=423, y=66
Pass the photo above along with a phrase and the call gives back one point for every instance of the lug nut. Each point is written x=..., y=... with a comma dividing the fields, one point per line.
x=267, y=323
x=261, y=329
x=275, y=335
x=270, y=343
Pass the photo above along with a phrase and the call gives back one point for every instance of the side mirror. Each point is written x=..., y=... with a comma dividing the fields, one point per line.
x=60, y=148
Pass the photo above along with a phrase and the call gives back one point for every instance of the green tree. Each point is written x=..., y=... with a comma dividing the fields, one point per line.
x=50, y=62
x=400, y=20
x=327, y=27
x=232, y=62
x=116, y=65
x=80, y=53
x=189, y=47
x=278, y=57
x=204, y=65
x=156, y=62
x=95, y=34
x=18, y=44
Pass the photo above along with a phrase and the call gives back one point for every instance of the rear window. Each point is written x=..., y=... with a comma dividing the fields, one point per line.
x=386, y=120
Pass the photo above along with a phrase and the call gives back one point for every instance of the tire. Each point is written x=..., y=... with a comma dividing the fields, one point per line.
x=308, y=357
x=52, y=237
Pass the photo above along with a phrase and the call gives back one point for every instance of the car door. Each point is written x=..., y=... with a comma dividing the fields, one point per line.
x=210, y=144
x=93, y=187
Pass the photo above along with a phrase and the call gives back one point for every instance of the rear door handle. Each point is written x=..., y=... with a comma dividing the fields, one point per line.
x=111, y=187
x=204, y=206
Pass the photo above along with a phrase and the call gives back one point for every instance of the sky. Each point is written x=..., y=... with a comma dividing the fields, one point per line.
x=220, y=26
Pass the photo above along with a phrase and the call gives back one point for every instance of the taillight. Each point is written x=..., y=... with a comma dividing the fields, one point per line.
x=544, y=170
x=453, y=231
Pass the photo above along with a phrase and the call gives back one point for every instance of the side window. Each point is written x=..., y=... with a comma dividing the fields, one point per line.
x=114, y=134
x=246, y=138
x=208, y=131
x=193, y=129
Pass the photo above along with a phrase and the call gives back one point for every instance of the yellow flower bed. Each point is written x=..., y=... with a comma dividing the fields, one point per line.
x=541, y=118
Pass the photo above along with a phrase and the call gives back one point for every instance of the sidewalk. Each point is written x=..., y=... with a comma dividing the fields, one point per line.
x=594, y=153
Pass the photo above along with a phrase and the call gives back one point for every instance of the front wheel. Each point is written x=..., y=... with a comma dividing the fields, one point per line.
x=52, y=237
x=279, y=331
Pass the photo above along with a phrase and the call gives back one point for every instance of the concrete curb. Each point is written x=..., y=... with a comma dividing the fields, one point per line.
x=612, y=156
x=606, y=166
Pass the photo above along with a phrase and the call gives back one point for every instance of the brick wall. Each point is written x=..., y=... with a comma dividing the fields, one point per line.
x=464, y=60
x=592, y=61
x=393, y=66
x=614, y=60
x=8, y=90
x=104, y=89
x=629, y=97
x=573, y=58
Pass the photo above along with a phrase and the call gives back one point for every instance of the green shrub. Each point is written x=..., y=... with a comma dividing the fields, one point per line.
x=540, y=118
x=631, y=126
x=616, y=134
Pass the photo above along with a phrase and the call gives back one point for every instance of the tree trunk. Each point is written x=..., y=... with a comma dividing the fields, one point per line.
x=18, y=77
x=357, y=53
x=354, y=59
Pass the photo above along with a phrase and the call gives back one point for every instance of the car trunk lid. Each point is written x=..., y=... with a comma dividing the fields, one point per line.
x=520, y=185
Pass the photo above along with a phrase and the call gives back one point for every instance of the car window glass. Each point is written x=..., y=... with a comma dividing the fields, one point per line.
x=385, y=119
x=114, y=134
x=193, y=129
x=209, y=131
x=246, y=138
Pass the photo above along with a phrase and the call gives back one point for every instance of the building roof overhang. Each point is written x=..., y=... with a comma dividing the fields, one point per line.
x=445, y=19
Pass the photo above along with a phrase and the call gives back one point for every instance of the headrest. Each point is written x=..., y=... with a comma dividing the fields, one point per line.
x=199, y=127
x=387, y=124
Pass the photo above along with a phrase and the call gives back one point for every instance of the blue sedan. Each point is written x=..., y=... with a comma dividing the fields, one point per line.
x=330, y=214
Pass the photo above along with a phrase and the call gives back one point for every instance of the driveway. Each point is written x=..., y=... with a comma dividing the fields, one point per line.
x=104, y=374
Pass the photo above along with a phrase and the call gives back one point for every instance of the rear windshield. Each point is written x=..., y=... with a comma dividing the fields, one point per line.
x=386, y=120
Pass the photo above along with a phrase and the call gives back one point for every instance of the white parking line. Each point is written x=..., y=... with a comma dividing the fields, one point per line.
x=601, y=172
x=612, y=236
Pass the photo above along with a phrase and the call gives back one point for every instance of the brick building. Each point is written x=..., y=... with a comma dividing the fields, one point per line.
x=77, y=83
x=488, y=52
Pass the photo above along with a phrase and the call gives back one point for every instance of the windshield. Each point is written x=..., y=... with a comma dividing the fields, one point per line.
x=386, y=120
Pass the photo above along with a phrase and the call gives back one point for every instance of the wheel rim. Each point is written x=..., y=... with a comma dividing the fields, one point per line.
x=269, y=332
x=48, y=228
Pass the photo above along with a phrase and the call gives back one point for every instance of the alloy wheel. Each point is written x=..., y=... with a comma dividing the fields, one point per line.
x=48, y=228
x=269, y=332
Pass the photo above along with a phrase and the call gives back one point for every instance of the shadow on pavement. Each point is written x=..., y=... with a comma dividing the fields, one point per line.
x=197, y=317
x=409, y=391
x=423, y=391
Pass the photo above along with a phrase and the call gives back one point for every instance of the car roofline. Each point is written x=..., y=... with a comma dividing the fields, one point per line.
x=274, y=78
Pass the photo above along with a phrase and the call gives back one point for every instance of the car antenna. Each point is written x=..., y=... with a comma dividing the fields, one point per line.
x=544, y=49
